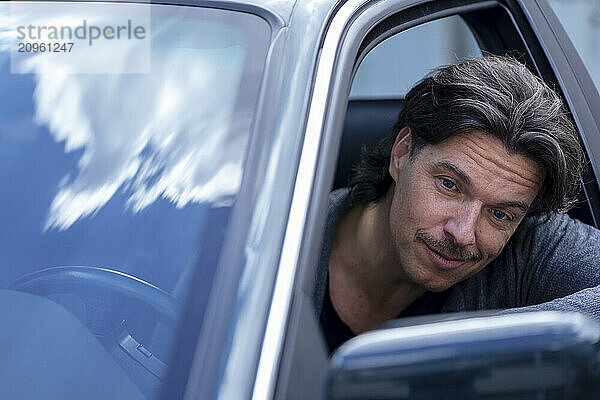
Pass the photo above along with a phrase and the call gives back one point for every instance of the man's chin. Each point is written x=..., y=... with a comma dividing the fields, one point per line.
x=438, y=287
x=437, y=283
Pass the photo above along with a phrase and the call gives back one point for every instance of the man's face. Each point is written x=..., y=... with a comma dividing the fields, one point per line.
x=455, y=205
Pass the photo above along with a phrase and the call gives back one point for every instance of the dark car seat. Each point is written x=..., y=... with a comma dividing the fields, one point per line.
x=367, y=122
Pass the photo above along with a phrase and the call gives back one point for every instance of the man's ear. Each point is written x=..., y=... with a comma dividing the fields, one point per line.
x=400, y=152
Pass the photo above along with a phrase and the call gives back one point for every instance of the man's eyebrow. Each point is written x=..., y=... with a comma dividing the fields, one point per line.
x=457, y=171
x=513, y=204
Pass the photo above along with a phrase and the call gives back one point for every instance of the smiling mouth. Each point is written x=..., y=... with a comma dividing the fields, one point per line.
x=442, y=260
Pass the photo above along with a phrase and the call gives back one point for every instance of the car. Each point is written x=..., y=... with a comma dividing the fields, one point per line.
x=166, y=170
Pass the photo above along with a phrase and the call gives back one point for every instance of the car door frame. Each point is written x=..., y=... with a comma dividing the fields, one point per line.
x=578, y=89
x=293, y=361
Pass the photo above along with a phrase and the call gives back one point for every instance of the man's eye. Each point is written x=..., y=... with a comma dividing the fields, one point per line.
x=500, y=215
x=448, y=184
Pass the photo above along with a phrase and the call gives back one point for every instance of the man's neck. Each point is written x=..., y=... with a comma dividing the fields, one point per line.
x=366, y=283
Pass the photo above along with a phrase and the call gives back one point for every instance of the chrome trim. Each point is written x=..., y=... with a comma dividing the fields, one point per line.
x=526, y=321
x=264, y=384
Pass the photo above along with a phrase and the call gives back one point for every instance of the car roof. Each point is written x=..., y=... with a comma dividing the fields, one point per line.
x=281, y=9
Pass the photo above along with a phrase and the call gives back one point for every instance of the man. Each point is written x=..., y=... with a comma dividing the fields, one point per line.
x=462, y=208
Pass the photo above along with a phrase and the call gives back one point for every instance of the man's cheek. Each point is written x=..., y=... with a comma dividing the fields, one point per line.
x=493, y=252
x=422, y=198
x=498, y=251
x=502, y=243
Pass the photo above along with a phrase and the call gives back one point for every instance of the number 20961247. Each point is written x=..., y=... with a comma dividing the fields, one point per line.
x=45, y=47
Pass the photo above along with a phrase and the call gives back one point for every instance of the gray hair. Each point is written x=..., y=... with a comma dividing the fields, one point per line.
x=494, y=94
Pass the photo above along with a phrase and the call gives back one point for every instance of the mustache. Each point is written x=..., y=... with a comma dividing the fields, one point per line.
x=448, y=248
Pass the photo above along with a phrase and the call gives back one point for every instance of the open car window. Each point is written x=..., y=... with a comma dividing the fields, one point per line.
x=387, y=73
x=395, y=65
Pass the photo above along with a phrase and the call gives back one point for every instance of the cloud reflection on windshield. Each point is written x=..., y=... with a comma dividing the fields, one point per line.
x=166, y=134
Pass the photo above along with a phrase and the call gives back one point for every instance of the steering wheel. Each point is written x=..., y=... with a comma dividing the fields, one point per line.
x=101, y=287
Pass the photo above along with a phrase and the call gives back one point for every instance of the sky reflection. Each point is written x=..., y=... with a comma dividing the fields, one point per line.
x=164, y=134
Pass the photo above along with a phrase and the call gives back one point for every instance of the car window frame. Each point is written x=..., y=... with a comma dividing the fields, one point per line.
x=571, y=77
x=300, y=351
x=197, y=374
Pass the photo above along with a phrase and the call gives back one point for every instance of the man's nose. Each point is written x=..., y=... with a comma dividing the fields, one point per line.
x=463, y=224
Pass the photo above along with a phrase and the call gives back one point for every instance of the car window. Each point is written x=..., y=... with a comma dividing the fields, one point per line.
x=397, y=63
x=581, y=20
x=387, y=73
x=123, y=137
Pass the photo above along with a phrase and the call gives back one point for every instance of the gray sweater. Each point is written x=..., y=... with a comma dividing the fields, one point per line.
x=553, y=265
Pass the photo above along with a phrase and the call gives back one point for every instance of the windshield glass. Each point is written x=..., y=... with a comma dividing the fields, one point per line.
x=123, y=135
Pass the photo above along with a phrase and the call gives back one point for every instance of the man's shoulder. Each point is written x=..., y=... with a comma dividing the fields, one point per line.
x=546, y=259
x=547, y=232
x=339, y=204
x=554, y=248
x=339, y=201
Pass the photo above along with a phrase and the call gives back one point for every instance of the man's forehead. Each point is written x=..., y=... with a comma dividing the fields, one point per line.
x=481, y=159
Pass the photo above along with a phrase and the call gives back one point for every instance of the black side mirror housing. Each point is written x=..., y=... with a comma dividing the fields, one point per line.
x=534, y=355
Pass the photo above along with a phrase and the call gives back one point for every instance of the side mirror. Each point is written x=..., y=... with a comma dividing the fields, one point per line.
x=535, y=355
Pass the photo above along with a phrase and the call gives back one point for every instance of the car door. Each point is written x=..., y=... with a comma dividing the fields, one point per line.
x=528, y=30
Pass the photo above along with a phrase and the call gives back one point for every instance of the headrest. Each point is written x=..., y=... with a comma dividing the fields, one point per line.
x=366, y=123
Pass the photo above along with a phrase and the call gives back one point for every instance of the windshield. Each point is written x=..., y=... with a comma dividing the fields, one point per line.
x=124, y=130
